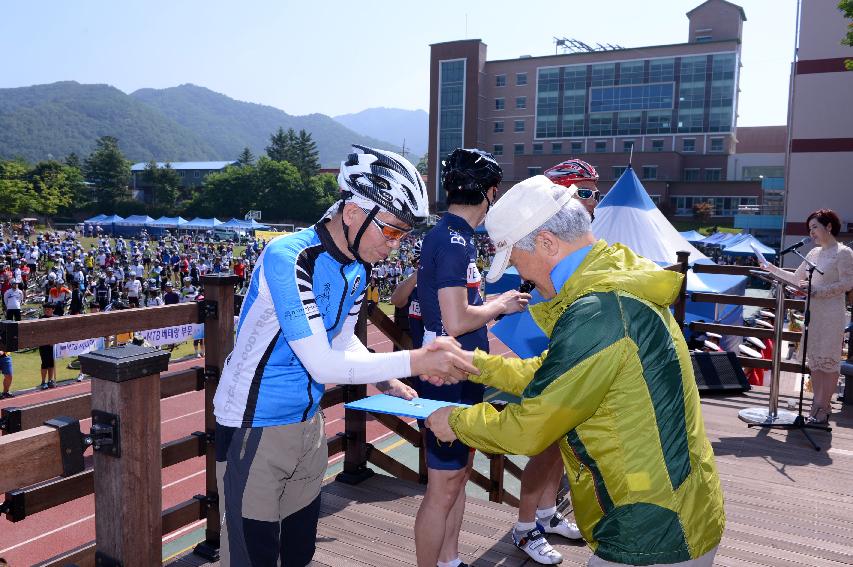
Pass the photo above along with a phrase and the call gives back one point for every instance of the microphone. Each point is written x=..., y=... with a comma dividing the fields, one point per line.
x=796, y=246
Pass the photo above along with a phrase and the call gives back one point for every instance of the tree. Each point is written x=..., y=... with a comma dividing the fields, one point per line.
x=109, y=170
x=703, y=211
x=165, y=185
x=54, y=186
x=846, y=6
x=16, y=190
x=282, y=145
x=423, y=166
x=306, y=158
x=73, y=160
x=246, y=157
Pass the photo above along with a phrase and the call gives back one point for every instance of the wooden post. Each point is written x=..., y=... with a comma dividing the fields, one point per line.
x=217, y=314
x=127, y=461
x=681, y=304
x=496, y=476
x=355, y=422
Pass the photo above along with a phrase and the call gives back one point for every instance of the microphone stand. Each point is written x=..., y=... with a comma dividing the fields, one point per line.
x=800, y=422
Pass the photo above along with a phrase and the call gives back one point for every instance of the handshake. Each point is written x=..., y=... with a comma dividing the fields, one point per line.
x=443, y=362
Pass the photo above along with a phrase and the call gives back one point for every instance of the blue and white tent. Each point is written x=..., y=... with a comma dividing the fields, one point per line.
x=168, y=222
x=743, y=247
x=628, y=215
x=202, y=224
x=692, y=236
x=96, y=219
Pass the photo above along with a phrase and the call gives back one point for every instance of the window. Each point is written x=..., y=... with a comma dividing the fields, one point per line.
x=618, y=171
x=703, y=38
x=691, y=174
x=635, y=97
x=661, y=70
x=518, y=149
x=603, y=75
x=713, y=174
x=627, y=146
x=601, y=124
x=556, y=147
x=531, y=171
x=519, y=126
x=631, y=72
x=451, y=91
x=500, y=103
x=538, y=148
x=629, y=123
x=650, y=172
x=498, y=149
x=577, y=147
x=521, y=102
x=500, y=80
x=499, y=126
x=181, y=173
x=657, y=145
x=600, y=147
x=716, y=144
x=688, y=145
x=520, y=79
x=196, y=174
x=547, y=102
x=659, y=122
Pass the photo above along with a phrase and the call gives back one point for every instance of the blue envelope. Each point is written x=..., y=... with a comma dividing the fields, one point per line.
x=520, y=332
x=418, y=408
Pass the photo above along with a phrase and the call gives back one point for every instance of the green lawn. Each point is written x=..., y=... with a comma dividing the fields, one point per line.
x=26, y=366
x=87, y=243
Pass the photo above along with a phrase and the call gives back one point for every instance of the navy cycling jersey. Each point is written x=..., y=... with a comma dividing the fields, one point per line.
x=302, y=285
x=416, y=322
x=449, y=259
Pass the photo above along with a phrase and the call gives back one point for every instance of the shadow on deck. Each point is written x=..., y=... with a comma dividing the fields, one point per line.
x=786, y=504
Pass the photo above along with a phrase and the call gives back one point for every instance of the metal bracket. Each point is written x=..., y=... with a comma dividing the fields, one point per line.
x=104, y=560
x=9, y=335
x=71, y=445
x=10, y=420
x=205, y=438
x=105, y=436
x=208, y=309
x=211, y=373
x=15, y=506
x=207, y=500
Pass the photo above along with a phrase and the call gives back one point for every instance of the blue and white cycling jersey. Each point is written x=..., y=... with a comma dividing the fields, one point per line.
x=302, y=285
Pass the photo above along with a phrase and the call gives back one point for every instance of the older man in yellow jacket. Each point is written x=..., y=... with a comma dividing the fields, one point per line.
x=615, y=387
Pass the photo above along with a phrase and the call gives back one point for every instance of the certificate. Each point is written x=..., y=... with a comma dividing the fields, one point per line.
x=418, y=408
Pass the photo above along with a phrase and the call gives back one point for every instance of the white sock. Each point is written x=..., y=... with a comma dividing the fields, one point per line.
x=524, y=527
x=545, y=513
x=452, y=563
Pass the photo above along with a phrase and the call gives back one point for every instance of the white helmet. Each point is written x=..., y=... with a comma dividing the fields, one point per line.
x=387, y=180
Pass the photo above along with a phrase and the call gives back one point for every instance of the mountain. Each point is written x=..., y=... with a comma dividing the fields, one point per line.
x=57, y=119
x=185, y=123
x=230, y=125
x=393, y=124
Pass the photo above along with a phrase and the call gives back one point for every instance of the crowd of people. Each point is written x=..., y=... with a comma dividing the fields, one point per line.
x=56, y=272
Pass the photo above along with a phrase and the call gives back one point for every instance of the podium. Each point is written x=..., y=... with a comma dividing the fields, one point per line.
x=772, y=416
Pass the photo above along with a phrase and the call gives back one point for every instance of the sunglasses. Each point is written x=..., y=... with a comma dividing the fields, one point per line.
x=389, y=231
x=587, y=193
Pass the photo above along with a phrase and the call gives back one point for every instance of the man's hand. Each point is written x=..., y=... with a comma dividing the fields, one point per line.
x=513, y=301
x=397, y=388
x=443, y=361
x=438, y=423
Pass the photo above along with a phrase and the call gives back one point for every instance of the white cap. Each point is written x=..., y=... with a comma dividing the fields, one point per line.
x=758, y=343
x=712, y=346
x=525, y=207
x=749, y=351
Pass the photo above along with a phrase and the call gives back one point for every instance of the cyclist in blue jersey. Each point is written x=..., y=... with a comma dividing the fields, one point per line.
x=448, y=288
x=295, y=335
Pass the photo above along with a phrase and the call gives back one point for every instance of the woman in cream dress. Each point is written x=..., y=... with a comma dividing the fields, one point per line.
x=828, y=309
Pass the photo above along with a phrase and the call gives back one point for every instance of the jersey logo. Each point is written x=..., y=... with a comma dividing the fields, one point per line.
x=355, y=285
x=415, y=309
x=473, y=276
x=456, y=238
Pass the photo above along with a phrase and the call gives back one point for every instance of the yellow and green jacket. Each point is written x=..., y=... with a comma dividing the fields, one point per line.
x=616, y=390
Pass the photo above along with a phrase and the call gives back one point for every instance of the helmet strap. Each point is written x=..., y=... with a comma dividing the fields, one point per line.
x=485, y=194
x=353, y=248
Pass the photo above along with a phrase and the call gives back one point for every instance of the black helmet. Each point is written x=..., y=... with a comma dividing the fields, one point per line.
x=470, y=170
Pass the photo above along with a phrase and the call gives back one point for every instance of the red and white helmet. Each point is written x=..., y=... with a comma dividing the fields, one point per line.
x=568, y=172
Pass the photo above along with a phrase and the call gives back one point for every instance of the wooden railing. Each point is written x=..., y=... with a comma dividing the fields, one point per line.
x=44, y=463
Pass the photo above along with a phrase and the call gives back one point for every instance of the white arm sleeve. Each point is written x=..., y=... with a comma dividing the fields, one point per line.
x=347, y=360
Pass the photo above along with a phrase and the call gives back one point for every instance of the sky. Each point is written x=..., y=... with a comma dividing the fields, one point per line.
x=338, y=57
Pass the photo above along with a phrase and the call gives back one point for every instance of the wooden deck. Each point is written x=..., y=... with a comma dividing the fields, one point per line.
x=786, y=504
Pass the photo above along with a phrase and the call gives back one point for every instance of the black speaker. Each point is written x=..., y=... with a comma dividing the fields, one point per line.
x=718, y=372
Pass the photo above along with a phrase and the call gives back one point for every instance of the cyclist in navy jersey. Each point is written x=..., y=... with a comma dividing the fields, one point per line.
x=295, y=334
x=448, y=291
x=405, y=299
